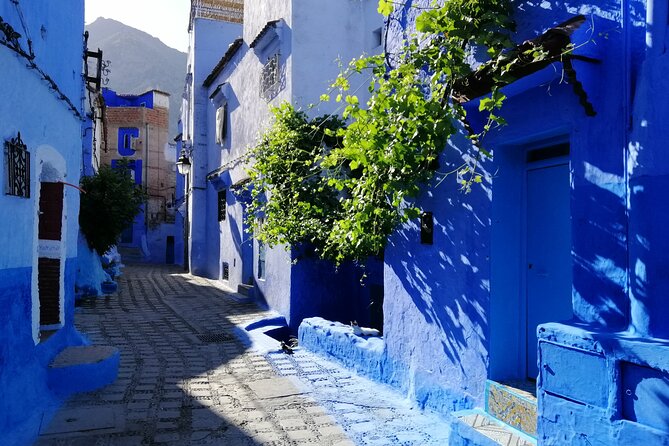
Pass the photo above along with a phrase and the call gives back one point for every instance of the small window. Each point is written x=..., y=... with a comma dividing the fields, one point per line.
x=377, y=37
x=17, y=168
x=221, y=124
x=127, y=141
x=262, y=251
x=426, y=228
x=225, y=271
x=269, y=78
x=222, y=204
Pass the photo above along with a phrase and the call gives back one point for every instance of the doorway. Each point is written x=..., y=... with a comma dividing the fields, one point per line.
x=49, y=259
x=531, y=265
x=548, y=277
x=169, y=250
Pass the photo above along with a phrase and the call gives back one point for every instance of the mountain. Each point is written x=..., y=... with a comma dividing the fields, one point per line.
x=139, y=62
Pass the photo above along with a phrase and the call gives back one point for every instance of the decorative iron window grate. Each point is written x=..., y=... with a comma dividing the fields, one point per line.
x=17, y=168
x=225, y=273
x=222, y=204
x=269, y=78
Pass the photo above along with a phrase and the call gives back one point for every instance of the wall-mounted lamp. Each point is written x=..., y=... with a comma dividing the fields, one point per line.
x=183, y=163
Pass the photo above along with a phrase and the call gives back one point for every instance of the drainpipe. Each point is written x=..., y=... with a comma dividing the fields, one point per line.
x=146, y=174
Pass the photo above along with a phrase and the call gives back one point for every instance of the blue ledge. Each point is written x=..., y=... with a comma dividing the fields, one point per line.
x=83, y=369
x=364, y=355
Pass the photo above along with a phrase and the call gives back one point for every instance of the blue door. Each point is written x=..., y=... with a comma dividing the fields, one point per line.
x=548, y=252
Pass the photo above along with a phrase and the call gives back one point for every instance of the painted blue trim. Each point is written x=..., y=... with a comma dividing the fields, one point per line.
x=112, y=99
x=27, y=401
x=132, y=133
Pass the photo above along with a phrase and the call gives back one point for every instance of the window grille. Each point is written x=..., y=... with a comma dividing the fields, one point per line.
x=222, y=204
x=17, y=168
x=262, y=252
x=269, y=78
x=225, y=273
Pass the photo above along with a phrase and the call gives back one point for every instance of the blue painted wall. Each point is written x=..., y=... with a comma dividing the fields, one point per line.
x=603, y=375
x=53, y=134
x=436, y=306
x=318, y=288
x=209, y=39
x=112, y=99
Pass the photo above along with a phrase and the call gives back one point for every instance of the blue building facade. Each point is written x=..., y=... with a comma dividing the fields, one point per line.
x=284, y=51
x=137, y=134
x=540, y=301
x=551, y=276
x=41, y=50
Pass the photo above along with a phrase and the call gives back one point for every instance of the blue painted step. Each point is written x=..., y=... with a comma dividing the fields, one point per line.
x=83, y=369
x=495, y=430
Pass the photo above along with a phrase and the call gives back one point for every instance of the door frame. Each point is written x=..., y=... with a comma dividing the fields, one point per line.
x=524, y=310
x=51, y=168
x=508, y=266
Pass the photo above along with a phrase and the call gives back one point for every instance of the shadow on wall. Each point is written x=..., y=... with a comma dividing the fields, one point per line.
x=437, y=295
x=600, y=247
x=342, y=294
x=243, y=241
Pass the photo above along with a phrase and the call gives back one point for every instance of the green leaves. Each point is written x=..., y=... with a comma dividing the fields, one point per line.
x=344, y=187
x=385, y=7
x=109, y=206
x=493, y=102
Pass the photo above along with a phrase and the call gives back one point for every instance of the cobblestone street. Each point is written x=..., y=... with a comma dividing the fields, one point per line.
x=190, y=374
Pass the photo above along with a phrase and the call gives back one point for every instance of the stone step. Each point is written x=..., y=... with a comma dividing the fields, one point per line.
x=130, y=255
x=513, y=403
x=494, y=429
x=245, y=290
x=83, y=369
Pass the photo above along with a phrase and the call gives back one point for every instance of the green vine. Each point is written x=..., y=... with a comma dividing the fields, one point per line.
x=342, y=185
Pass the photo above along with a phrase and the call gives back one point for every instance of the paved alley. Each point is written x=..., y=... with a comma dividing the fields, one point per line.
x=190, y=374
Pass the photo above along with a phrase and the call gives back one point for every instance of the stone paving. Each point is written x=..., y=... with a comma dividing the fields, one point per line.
x=190, y=374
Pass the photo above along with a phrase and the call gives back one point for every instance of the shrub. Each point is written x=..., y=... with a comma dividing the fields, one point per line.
x=110, y=204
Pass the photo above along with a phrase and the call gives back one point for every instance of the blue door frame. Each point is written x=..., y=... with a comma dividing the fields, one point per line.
x=509, y=264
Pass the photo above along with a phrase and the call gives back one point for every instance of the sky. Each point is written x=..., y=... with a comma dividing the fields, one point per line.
x=164, y=19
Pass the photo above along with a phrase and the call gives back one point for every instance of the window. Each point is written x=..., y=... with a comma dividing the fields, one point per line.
x=262, y=251
x=222, y=204
x=127, y=142
x=269, y=78
x=426, y=228
x=17, y=168
x=221, y=124
x=377, y=37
